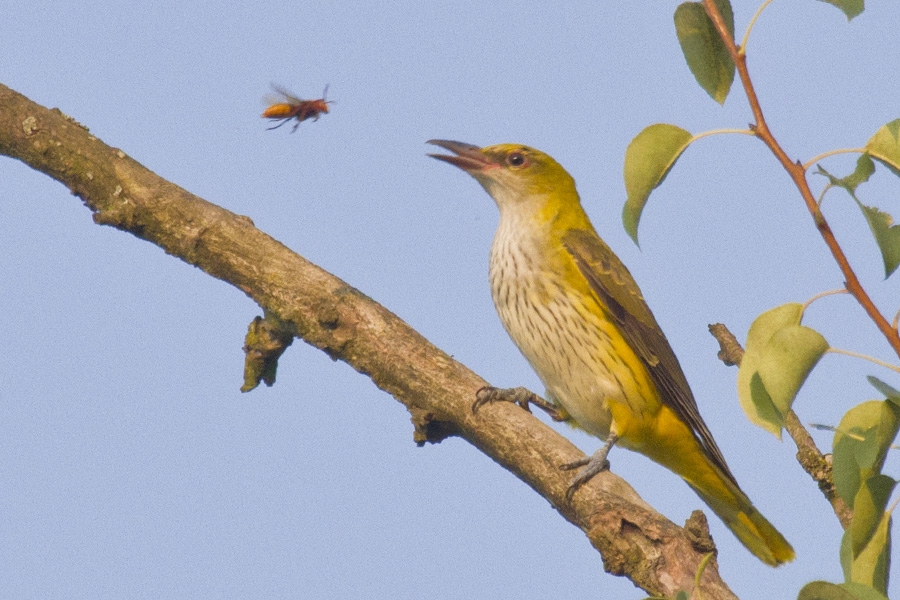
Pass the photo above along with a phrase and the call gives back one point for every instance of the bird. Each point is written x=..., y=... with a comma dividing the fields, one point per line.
x=579, y=318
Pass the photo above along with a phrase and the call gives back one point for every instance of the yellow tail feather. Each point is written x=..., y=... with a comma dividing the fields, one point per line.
x=748, y=525
x=672, y=445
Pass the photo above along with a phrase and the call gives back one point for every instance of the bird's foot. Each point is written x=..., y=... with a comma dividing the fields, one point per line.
x=520, y=396
x=589, y=466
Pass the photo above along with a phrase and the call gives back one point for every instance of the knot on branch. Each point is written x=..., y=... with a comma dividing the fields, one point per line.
x=697, y=529
x=429, y=429
x=267, y=339
x=119, y=213
x=338, y=325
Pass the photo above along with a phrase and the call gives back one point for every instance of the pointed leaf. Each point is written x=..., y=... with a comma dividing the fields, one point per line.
x=786, y=360
x=865, y=166
x=887, y=236
x=863, y=568
x=851, y=8
x=885, y=146
x=765, y=411
x=755, y=399
x=886, y=433
x=846, y=554
x=703, y=49
x=648, y=159
x=892, y=393
x=868, y=508
x=864, y=169
x=847, y=479
x=772, y=321
x=861, y=443
x=871, y=567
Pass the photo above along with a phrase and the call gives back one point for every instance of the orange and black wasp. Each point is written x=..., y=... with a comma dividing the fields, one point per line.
x=286, y=106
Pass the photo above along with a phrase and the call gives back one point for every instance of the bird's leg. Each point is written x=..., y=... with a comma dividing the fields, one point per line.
x=589, y=466
x=520, y=396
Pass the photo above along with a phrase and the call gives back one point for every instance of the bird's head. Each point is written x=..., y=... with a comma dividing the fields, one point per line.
x=514, y=175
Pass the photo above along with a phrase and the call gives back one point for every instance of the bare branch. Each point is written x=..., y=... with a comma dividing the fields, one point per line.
x=730, y=350
x=327, y=313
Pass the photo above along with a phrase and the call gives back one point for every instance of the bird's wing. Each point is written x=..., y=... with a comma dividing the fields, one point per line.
x=619, y=293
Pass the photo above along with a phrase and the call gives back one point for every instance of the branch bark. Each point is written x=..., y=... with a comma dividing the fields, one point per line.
x=633, y=539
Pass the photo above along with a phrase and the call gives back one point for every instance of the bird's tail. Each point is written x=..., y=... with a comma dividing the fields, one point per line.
x=737, y=512
x=705, y=471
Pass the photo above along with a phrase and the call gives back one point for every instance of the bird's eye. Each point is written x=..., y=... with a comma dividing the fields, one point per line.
x=516, y=159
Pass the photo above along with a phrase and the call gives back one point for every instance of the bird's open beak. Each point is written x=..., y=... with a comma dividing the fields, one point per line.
x=468, y=157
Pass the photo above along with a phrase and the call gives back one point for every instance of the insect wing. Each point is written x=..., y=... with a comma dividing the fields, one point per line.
x=285, y=96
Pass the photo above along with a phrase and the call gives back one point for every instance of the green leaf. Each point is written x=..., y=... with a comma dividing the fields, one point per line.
x=761, y=409
x=703, y=49
x=885, y=146
x=851, y=8
x=868, y=510
x=861, y=443
x=892, y=393
x=786, y=360
x=755, y=399
x=846, y=554
x=864, y=169
x=887, y=236
x=648, y=159
x=863, y=592
x=823, y=590
x=870, y=568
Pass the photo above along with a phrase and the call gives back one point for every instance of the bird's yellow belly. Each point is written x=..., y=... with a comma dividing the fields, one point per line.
x=592, y=373
x=585, y=364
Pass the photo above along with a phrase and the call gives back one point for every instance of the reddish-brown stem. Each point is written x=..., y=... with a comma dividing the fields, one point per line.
x=798, y=174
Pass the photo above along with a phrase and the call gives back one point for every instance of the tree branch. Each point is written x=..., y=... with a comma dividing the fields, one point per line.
x=797, y=172
x=816, y=464
x=327, y=313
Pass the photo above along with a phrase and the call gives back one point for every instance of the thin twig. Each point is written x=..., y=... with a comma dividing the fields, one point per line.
x=798, y=173
x=752, y=23
x=871, y=359
x=822, y=295
x=816, y=159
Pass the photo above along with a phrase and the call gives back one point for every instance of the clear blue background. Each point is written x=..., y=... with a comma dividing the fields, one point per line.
x=130, y=464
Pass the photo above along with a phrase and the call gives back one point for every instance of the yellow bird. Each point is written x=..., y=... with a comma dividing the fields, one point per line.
x=578, y=316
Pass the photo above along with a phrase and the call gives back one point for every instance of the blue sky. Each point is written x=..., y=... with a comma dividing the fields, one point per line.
x=130, y=464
